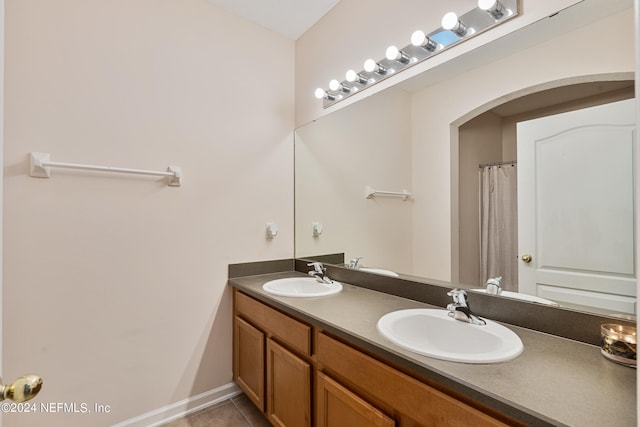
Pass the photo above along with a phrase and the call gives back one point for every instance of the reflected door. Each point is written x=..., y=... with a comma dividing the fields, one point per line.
x=576, y=208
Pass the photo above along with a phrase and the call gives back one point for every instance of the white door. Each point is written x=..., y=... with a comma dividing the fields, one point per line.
x=576, y=234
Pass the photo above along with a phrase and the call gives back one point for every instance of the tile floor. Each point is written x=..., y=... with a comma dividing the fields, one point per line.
x=236, y=412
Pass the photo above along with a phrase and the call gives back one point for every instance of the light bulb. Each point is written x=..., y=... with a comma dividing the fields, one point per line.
x=370, y=65
x=451, y=22
x=352, y=76
x=323, y=94
x=493, y=7
x=419, y=38
x=395, y=54
x=486, y=4
x=335, y=85
x=392, y=53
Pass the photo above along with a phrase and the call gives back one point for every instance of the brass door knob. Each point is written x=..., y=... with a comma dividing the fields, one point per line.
x=527, y=258
x=23, y=389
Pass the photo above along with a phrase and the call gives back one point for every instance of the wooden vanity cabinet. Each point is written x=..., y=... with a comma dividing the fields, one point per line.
x=272, y=361
x=276, y=366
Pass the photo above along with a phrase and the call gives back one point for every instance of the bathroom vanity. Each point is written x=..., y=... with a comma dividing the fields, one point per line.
x=310, y=361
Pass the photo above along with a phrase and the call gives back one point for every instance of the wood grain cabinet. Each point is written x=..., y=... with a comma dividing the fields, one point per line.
x=272, y=361
x=289, y=387
x=338, y=406
x=248, y=360
x=334, y=384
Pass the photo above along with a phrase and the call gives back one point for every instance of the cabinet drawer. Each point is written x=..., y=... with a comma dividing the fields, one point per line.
x=381, y=383
x=295, y=334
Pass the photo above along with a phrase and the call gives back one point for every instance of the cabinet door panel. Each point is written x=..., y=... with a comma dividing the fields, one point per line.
x=339, y=407
x=248, y=361
x=289, y=387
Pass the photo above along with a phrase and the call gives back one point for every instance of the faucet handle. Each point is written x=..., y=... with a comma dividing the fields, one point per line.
x=493, y=285
x=459, y=296
x=355, y=262
x=317, y=266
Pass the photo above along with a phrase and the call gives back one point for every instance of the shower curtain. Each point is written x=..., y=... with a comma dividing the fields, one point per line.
x=499, y=224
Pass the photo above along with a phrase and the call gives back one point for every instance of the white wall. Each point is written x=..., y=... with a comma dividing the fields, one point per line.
x=115, y=286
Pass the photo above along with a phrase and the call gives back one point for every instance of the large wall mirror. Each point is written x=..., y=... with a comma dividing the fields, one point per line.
x=458, y=136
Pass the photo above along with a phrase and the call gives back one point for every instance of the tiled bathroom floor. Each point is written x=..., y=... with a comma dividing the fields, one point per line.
x=236, y=412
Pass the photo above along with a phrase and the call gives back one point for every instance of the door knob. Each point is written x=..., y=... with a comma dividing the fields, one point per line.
x=22, y=389
x=527, y=258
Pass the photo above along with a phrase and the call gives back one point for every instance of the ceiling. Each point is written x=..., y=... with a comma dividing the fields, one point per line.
x=290, y=18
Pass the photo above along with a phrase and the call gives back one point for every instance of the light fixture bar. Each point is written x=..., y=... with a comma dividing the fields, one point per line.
x=488, y=14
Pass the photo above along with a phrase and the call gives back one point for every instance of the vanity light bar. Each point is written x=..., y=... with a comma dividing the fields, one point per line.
x=455, y=29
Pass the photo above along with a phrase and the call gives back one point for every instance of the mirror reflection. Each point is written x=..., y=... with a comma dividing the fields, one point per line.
x=453, y=137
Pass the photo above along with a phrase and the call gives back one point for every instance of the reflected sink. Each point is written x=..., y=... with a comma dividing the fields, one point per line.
x=518, y=295
x=379, y=271
x=301, y=287
x=431, y=332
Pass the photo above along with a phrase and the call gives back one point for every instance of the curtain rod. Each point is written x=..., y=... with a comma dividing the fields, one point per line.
x=511, y=162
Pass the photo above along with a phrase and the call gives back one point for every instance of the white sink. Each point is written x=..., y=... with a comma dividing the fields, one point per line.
x=379, y=271
x=431, y=332
x=301, y=287
x=518, y=295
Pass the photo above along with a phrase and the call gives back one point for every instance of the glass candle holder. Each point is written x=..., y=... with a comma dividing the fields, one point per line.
x=618, y=343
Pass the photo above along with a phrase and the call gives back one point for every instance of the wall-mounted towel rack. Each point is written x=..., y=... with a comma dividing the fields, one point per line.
x=41, y=165
x=370, y=192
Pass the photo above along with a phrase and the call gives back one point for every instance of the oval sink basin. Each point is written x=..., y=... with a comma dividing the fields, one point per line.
x=301, y=287
x=380, y=271
x=431, y=332
x=518, y=295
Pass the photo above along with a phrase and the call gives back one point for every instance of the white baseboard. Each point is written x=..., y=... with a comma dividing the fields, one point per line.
x=184, y=407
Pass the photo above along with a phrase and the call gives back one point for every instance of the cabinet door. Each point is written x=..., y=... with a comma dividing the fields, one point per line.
x=248, y=360
x=289, y=387
x=338, y=407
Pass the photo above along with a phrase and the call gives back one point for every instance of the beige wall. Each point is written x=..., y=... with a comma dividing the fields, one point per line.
x=480, y=142
x=115, y=286
x=337, y=156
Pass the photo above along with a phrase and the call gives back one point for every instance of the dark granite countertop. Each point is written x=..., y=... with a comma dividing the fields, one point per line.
x=555, y=381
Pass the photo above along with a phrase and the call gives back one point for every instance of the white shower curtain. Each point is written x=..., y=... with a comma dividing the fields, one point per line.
x=499, y=224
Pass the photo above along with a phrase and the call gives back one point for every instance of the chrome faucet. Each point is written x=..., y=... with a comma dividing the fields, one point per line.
x=319, y=273
x=460, y=310
x=355, y=263
x=493, y=285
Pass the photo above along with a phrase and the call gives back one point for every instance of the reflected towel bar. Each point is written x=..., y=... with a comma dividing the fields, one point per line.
x=370, y=192
x=41, y=164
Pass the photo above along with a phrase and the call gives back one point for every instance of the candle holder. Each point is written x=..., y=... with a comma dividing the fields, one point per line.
x=618, y=343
